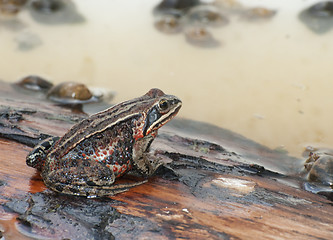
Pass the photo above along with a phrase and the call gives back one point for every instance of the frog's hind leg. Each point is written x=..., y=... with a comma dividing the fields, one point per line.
x=36, y=158
x=85, y=178
x=93, y=191
x=100, y=191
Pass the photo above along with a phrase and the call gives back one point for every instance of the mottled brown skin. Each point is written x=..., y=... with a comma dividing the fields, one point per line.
x=87, y=160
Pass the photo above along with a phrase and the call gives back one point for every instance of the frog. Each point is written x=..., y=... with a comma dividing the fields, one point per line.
x=94, y=153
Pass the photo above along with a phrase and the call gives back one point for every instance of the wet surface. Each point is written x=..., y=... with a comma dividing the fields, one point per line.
x=201, y=141
x=215, y=184
x=47, y=215
x=240, y=149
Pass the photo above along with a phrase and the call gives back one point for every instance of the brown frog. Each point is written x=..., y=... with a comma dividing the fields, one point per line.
x=87, y=160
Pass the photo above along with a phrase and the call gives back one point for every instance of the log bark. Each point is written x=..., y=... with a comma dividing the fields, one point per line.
x=215, y=185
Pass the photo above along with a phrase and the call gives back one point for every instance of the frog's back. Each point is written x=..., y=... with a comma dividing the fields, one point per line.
x=100, y=122
x=56, y=148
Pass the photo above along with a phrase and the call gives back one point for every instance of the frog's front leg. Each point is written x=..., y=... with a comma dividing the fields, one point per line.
x=144, y=162
x=83, y=178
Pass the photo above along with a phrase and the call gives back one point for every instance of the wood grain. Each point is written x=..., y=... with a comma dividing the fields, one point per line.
x=209, y=189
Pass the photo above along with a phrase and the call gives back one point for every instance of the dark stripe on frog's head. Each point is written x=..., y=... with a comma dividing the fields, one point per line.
x=161, y=112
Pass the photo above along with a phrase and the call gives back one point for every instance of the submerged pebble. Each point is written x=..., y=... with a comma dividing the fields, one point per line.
x=54, y=12
x=192, y=18
x=71, y=93
x=321, y=9
x=11, y=7
x=47, y=6
x=27, y=40
x=206, y=15
x=180, y=6
x=200, y=36
x=197, y=18
x=258, y=13
x=168, y=23
x=318, y=17
x=35, y=83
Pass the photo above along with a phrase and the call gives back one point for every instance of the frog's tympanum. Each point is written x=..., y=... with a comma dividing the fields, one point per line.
x=87, y=160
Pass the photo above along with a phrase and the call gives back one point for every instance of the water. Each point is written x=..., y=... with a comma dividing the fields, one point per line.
x=269, y=80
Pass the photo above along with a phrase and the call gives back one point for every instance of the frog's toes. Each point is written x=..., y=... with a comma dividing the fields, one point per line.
x=37, y=156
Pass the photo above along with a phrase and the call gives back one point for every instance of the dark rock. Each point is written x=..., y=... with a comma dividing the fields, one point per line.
x=207, y=15
x=318, y=17
x=55, y=12
x=35, y=83
x=175, y=5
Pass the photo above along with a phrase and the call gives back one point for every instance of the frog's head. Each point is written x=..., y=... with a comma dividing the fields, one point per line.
x=163, y=109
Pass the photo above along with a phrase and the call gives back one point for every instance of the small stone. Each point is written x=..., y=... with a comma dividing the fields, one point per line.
x=53, y=12
x=71, y=93
x=207, y=15
x=175, y=5
x=35, y=83
x=318, y=17
x=322, y=9
x=258, y=13
x=11, y=7
x=168, y=23
x=47, y=6
x=200, y=36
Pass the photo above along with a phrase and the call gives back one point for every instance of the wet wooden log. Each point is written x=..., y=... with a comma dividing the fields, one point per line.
x=215, y=185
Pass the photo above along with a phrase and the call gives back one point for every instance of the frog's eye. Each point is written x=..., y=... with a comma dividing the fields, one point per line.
x=163, y=105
